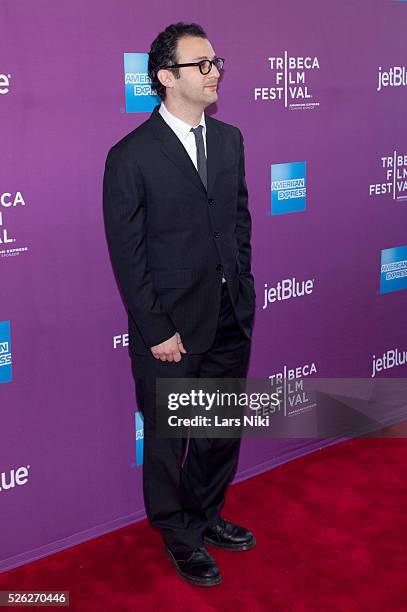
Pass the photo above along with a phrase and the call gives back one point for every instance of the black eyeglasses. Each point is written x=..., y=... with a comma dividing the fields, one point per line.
x=205, y=66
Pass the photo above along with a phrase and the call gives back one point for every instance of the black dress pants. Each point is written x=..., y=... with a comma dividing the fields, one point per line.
x=184, y=480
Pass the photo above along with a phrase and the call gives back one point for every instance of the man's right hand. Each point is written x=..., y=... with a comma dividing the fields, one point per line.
x=169, y=350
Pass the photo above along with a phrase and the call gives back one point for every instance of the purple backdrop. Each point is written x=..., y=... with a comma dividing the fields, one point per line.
x=68, y=467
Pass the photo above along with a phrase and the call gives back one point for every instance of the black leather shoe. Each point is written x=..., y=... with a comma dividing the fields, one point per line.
x=196, y=566
x=230, y=536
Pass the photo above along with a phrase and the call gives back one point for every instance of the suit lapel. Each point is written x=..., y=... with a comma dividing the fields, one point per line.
x=176, y=152
x=214, y=151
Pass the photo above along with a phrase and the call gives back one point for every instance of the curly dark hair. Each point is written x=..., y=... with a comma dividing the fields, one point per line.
x=163, y=51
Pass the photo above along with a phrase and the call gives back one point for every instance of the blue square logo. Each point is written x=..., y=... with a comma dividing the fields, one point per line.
x=393, y=271
x=5, y=352
x=288, y=188
x=137, y=85
x=139, y=438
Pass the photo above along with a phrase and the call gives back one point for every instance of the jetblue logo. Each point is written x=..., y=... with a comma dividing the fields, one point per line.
x=5, y=352
x=4, y=83
x=287, y=289
x=390, y=359
x=288, y=188
x=14, y=478
x=139, y=438
x=396, y=76
x=393, y=269
x=140, y=98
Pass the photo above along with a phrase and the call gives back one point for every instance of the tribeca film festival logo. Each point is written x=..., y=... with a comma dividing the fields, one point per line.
x=286, y=289
x=390, y=359
x=393, y=271
x=5, y=352
x=121, y=341
x=4, y=84
x=288, y=188
x=396, y=76
x=394, y=168
x=140, y=97
x=14, y=478
x=290, y=383
x=9, y=201
x=290, y=82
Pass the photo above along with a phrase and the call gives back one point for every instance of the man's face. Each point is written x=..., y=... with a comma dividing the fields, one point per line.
x=194, y=88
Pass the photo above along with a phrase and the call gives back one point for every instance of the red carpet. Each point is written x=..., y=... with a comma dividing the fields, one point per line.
x=331, y=535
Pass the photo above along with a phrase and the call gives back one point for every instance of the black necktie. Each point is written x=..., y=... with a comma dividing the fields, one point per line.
x=200, y=154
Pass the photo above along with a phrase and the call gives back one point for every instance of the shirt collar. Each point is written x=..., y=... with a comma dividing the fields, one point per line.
x=180, y=127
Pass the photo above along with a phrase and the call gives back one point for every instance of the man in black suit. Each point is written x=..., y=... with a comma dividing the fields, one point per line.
x=178, y=229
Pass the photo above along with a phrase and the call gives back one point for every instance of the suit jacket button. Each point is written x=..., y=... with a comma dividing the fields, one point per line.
x=211, y=201
x=219, y=267
x=216, y=234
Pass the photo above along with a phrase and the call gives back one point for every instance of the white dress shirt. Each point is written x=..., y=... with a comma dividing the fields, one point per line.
x=183, y=131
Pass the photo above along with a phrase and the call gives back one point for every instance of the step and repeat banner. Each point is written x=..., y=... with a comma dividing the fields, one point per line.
x=319, y=91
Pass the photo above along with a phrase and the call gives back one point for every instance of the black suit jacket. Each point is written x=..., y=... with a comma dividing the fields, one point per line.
x=170, y=240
